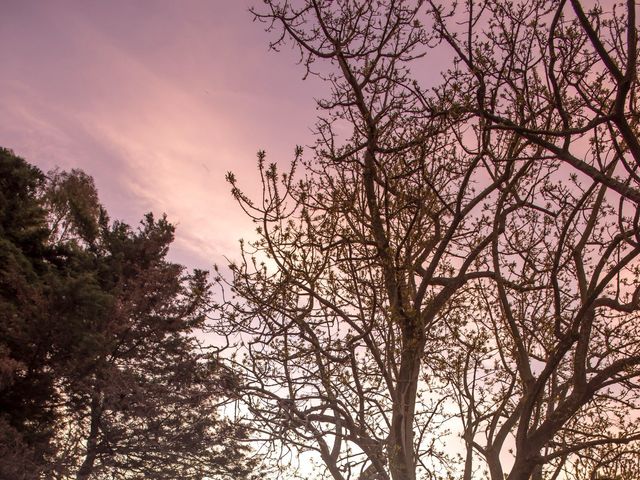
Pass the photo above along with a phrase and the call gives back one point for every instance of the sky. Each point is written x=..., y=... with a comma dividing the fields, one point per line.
x=157, y=100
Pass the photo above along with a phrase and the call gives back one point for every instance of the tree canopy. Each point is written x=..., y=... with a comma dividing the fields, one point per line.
x=27, y=269
x=464, y=262
x=102, y=374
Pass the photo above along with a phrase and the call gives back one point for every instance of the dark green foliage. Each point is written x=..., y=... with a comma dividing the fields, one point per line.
x=27, y=393
x=101, y=375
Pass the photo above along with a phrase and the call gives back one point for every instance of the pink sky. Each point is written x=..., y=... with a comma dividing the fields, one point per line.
x=156, y=99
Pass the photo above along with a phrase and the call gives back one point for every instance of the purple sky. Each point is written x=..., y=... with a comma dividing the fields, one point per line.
x=156, y=99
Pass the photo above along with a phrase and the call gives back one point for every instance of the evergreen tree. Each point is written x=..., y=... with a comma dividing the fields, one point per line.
x=102, y=375
x=28, y=273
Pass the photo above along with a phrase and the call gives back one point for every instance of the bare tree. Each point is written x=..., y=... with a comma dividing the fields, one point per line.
x=556, y=344
x=451, y=244
x=557, y=74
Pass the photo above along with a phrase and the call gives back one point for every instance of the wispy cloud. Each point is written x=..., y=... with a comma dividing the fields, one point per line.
x=157, y=127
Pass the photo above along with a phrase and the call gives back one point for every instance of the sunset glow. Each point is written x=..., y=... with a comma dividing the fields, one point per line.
x=156, y=100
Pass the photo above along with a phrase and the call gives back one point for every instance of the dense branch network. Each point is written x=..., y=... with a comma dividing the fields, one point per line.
x=466, y=261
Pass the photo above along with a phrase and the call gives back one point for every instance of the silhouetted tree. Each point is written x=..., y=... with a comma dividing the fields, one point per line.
x=28, y=273
x=103, y=376
x=470, y=246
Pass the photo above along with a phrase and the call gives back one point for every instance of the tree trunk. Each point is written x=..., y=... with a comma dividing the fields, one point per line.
x=493, y=462
x=522, y=469
x=86, y=469
x=402, y=462
x=468, y=463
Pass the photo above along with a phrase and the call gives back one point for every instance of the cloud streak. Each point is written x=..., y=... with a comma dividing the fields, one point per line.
x=156, y=104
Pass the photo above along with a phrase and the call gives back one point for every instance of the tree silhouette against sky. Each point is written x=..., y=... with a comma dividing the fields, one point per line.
x=464, y=258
